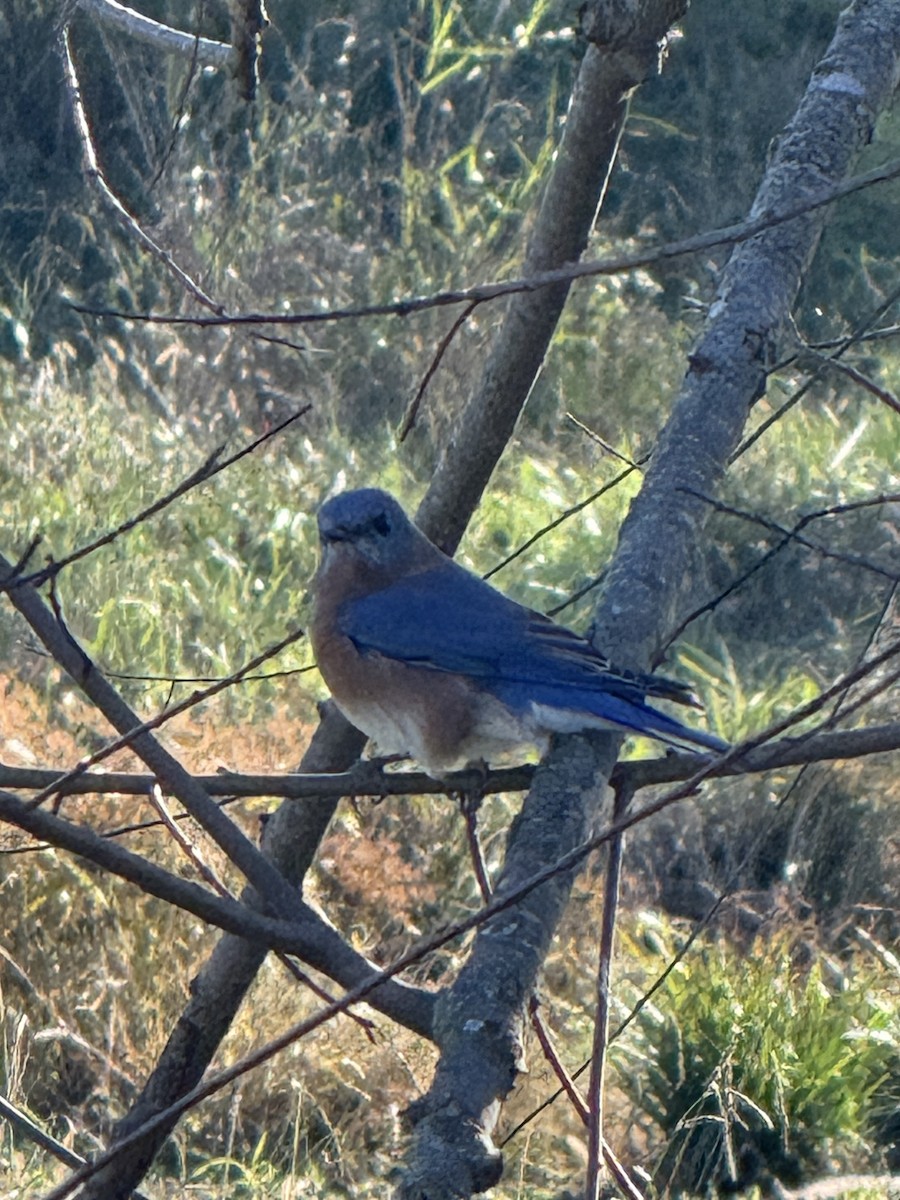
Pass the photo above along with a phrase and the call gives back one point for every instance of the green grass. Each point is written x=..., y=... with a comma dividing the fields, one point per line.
x=747, y=1054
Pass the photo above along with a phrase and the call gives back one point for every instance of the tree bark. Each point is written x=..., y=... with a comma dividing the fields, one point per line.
x=624, y=51
x=594, y=125
x=479, y=1019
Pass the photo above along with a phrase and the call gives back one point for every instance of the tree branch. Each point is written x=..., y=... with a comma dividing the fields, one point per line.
x=649, y=583
x=368, y=779
x=306, y=935
x=163, y=37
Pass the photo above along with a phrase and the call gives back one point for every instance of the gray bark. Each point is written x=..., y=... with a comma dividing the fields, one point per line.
x=650, y=582
x=624, y=51
x=593, y=128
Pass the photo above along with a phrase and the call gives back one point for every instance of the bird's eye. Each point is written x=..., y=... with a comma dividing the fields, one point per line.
x=381, y=525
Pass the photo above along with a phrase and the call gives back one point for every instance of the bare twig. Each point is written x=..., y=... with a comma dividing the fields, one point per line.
x=558, y=520
x=883, y=394
x=609, y=265
x=621, y=1176
x=567, y=1081
x=190, y=76
x=476, y=853
x=787, y=536
x=206, y=471
x=112, y=201
x=604, y=444
x=853, y=560
x=412, y=412
x=24, y=1124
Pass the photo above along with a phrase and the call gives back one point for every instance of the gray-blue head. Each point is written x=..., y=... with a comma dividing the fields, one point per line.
x=372, y=523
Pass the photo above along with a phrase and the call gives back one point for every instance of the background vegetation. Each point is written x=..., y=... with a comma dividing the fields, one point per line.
x=397, y=147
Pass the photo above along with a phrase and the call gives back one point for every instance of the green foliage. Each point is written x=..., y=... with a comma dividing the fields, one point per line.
x=397, y=148
x=747, y=1062
x=736, y=710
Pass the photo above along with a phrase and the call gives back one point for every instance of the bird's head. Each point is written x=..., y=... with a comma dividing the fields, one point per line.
x=371, y=524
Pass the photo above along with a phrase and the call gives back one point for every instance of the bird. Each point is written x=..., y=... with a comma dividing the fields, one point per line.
x=431, y=662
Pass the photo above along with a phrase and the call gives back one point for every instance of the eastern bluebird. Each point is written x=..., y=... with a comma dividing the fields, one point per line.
x=429, y=660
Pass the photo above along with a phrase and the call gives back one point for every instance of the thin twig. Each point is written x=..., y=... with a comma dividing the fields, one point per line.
x=112, y=201
x=787, y=536
x=880, y=393
x=181, y=105
x=558, y=520
x=476, y=853
x=567, y=1082
x=24, y=1125
x=206, y=471
x=853, y=560
x=591, y=268
x=142, y=28
x=412, y=412
x=604, y=445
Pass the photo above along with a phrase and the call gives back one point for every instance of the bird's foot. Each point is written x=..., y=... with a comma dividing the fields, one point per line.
x=468, y=786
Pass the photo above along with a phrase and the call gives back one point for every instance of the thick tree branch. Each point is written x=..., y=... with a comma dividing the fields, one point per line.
x=306, y=935
x=651, y=581
x=575, y=190
x=367, y=779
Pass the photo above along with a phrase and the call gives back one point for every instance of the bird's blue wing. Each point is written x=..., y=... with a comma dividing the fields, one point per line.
x=447, y=619
x=450, y=620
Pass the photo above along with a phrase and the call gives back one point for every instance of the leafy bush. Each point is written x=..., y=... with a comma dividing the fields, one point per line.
x=750, y=1064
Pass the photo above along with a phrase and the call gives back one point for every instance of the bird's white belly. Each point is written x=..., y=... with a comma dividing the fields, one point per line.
x=391, y=731
x=495, y=731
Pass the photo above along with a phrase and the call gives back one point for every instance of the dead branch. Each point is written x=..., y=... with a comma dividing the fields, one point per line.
x=368, y=778
x=163, y=37
x=613, y=264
